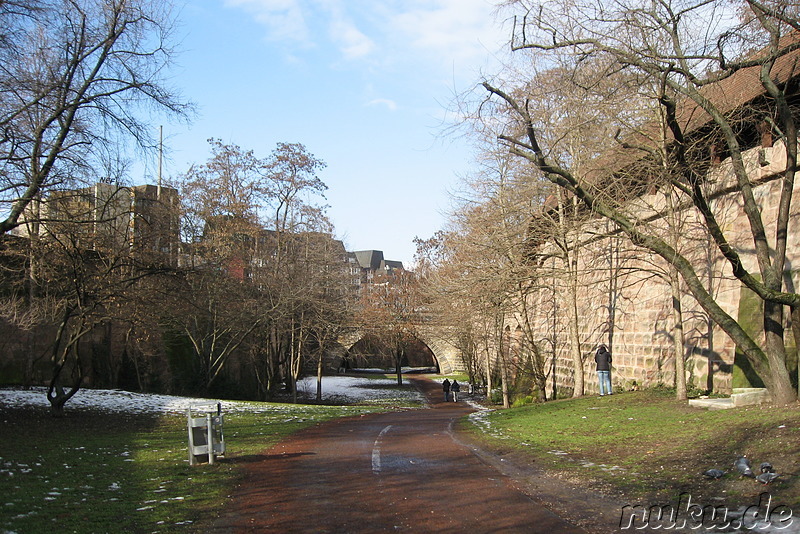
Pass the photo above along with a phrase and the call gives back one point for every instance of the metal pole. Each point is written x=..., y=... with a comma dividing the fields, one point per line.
x=160, y=157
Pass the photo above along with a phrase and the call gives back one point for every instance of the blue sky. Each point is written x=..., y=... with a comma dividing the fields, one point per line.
x=364, y=85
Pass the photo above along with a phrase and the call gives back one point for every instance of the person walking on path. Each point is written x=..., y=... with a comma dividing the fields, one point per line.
x=603, y=360
x=455, y=387
x=446, y=389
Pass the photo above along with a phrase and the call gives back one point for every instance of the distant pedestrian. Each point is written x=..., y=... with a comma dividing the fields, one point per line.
x=446, y=389
x=603, y=360
x=455, y=387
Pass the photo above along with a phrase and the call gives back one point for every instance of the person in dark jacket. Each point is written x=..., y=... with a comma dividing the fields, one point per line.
x=603, y=360
x=455, y=387
x=446, y=389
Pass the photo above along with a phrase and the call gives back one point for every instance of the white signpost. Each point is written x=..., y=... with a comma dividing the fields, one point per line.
x=205, y=421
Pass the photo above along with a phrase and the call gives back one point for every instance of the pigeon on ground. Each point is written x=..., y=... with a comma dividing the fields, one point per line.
x=742, y=465
x=714, y=473
x=766, y=467
x=767, y=477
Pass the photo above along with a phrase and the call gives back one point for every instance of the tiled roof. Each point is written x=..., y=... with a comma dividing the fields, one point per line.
x=730, y=93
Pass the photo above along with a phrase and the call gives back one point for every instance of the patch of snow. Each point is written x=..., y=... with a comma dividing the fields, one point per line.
x=117, y=401
x=358, y=389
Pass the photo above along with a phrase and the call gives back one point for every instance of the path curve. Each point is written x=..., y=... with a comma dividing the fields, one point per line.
x=390, y=472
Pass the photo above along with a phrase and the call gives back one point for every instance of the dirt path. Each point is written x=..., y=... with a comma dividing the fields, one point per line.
x=392, y=472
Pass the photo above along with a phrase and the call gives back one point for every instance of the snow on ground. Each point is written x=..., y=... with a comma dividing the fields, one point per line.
x=357, y=389
x=345, y=388
x=118, y=401
x=112, y=400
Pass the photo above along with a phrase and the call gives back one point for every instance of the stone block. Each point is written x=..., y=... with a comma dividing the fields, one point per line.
x=749, y=396
x=711, y=404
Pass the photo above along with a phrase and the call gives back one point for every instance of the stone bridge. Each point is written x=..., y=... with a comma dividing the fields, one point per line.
x=447, y=356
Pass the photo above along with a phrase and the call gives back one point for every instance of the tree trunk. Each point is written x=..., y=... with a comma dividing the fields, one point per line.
x=57, y=403
x=319, y=376
x=775, y=348
x=678, y=339
x=61, y=350
x=488, y=368
x=574, y=336
x=398, y=365
x=504, y=382
x=796, y=334
x=292, y=364
x=571, y=267
x=677, y=335
x=501, y=353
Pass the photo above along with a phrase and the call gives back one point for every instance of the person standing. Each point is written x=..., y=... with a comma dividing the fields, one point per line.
x=446, y=389
x=603, y=360
x=455, y=387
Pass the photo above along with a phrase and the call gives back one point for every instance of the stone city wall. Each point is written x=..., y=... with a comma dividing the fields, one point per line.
x=632, y=283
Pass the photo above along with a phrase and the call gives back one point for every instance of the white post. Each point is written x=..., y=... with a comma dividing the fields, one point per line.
x=210, y=440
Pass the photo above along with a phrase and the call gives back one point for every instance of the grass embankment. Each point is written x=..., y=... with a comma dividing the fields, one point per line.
x=95, y=472
x=645, y=446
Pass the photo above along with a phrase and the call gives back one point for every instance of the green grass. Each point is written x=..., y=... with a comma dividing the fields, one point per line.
x=462, y=377
x=93, y=472
x=646, y=445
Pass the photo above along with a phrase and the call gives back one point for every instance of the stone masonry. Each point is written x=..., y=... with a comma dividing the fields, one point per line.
x=625, y=291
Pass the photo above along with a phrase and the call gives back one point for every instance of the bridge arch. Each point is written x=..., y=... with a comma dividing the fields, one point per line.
x=447, y=357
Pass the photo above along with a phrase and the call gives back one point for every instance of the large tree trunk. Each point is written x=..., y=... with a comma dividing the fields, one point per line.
x=677, y=335
x=767, y=363
x=574, y=336
x=58, y=397
x=504, y=385
x=678, y=340
x=775, y=349
x=62, y=348
x=796, y=335
x=570, y=259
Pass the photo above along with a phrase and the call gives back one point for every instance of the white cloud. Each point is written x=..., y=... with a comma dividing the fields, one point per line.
x=343, y=29
x=453, y=30
x=390, y=104
x=306, y=22
x=350, y=40
x=438, y=33
x=285, y=20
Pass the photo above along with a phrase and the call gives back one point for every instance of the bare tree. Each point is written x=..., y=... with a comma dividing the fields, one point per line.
x=390, y=312
x=75, y=76
x=91, y=285
x=480, y=273
x=657, y=45
x=262, y=249
x=443, y=299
